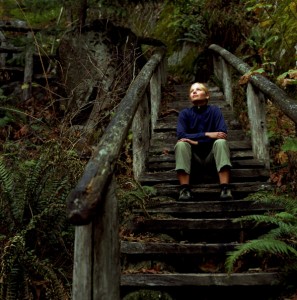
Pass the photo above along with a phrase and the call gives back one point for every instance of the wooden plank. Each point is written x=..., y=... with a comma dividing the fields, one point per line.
x=209, y=206
x=237, y=157
x=106, y=250
x=241, y=164
x=213, y=188
x=217, y=224
x=206, y=192
x=28, y=70
x=175, y=248
x=220, y=279
x=257, y=114
x=82, y=264
x=239, y=175
x=96, y=271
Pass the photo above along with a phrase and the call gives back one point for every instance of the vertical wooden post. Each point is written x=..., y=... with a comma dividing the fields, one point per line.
x=223, y=72
x=141, y=129
x=227, y=82
x=2, y=55
x=106, y=264
x=82, y=265
x=155, y=94
x=217, y=68
x=96, y=273
x=257, y=116
x=28, y=71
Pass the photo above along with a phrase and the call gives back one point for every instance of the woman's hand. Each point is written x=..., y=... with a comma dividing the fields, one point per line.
x=188, y=141
x=216, y=135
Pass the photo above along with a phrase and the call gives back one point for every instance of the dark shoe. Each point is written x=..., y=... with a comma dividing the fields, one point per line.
x=185, y=194
x=226, y=193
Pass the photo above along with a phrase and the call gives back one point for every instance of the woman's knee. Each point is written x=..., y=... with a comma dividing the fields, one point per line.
x=220, y=143
x=182, y=146
x=221, y=148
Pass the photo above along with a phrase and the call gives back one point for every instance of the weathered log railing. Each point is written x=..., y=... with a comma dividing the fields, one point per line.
x=92, y=205
x=31, y=51
x=258, y=88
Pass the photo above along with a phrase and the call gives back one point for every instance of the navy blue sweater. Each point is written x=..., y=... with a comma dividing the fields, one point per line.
x=193, y=122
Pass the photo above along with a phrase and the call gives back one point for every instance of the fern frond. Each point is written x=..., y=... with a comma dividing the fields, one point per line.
x=283, y=231
x=6, y=179
x=7, y=186
x=54, y=287
x=258, y=219
x=261, y=247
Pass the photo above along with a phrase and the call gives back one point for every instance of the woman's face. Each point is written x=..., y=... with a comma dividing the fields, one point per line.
x=198, y=94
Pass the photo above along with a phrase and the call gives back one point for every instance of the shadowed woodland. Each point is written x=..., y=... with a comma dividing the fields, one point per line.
x=66, y=65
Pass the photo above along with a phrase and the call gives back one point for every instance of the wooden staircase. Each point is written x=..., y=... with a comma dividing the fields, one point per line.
x=187, y=242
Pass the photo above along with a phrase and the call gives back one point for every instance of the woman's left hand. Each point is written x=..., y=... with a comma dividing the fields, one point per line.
x=188, y=141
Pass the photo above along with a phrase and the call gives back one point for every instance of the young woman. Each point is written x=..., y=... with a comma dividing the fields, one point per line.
x=202, y=141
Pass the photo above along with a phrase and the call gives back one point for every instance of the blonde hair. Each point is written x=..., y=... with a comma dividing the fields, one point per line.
x=201, y=86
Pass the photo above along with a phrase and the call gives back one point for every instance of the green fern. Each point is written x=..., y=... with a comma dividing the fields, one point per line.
x=40, y=242
x=279, y=242
x=262, y=247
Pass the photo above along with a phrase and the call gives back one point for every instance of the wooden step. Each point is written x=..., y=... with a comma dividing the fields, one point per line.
x=237, y=175
x=212, y=230
x=208, y=192
x=175, y=257
x=155, y=164
x=237, y=161
x=237, y=158
x=208, y=286
x=208, y=280
x=188, y=242
x=175, y=248
x=209, y=209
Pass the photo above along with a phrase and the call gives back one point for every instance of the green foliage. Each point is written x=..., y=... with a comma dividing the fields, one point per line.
x=37, y=241
x=8, y=115
x=132, y=195
x=279, y=242
x=34, y=12
x=276, y=29
x=290, y=144
x=180, y=21
x=148, y=295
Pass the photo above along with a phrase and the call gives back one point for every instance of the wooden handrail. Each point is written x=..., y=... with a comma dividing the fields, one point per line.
x=85, y=197
x=272, y=91
x=258, y=88
x=93, y=202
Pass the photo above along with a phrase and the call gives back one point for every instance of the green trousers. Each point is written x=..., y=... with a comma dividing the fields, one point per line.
x=185, y=156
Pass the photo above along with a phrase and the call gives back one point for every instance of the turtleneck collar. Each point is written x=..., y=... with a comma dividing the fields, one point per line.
x=200, y=108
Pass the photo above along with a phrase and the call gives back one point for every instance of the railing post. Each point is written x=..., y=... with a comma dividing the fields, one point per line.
x=223, y=72
x=28, y=71
x=106, y=241
x=227, y=83
x=257, y=116
x=155, y=94
x=217, y=69
x=141, y=130
x=96, y=270
x=82, y=263
x=2, y=55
